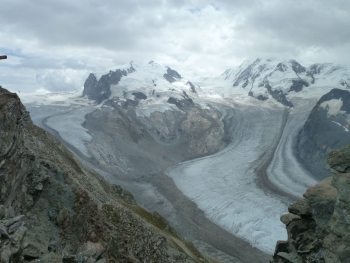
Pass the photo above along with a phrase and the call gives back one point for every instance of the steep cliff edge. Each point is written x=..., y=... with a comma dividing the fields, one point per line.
x=318, y=226
x=54, y=209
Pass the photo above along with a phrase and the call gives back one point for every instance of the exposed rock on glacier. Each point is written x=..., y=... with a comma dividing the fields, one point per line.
x=100, y=89
x=172, y=75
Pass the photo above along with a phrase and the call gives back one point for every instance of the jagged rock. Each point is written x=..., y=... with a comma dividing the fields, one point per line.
x=171, y=75
x=300, y=208
x=2, y=212
x=288, y=218
x=75, y=213
x=322, y=234
x=3, y=232
x=32, y=251
x=100, y=90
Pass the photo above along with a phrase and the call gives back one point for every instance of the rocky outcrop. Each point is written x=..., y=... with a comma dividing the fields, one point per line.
x=171, y=75
x=326, y=129
x=99, y=90
x=318, y=226
x=54, y=209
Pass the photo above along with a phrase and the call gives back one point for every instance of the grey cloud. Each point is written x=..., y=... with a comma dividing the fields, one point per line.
x=62, y=80
x=307, y=23
x=91, y=35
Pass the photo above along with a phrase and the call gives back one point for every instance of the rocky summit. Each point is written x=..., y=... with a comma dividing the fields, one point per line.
x=54, y=209
x=318, y=226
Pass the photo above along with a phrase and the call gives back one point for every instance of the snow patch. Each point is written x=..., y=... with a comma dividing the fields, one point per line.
x=333, y=106
x=346, y=129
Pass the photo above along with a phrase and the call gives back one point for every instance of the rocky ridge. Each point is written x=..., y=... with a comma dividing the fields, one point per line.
x=318, y=226
x=54, y=209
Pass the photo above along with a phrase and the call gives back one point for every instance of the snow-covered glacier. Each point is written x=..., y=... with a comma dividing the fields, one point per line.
x=248, y=185
x=227, y=185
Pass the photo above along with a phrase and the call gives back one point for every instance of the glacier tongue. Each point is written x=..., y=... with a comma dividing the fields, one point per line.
x=224, y=185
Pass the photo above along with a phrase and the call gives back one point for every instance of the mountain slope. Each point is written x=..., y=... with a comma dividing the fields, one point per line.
x=283, y=81
x=54, y=209
x=326, y=129
x=155, y=114
x=318, y=225
x=137, y=80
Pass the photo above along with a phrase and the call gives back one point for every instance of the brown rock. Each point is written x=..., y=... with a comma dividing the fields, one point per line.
x=287, y=218
x=300, y=208
x=62, y=216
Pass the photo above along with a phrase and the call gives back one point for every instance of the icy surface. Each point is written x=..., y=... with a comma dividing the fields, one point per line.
x=224, y=185
x=333, y=106
x=285, y=171
x=69, y=126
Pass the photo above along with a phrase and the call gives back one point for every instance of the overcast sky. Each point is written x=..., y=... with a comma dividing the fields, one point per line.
x=55, y=44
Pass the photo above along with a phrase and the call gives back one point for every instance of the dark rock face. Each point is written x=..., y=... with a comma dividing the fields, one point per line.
x=297, y=68
x=101, y=90
x=279, y=96
x=323, y=132
x=260, y=97
x=298, y=85
x=193, y=88
x=139, y=95
x=281, y=67
x=171, y=75
x=181, y=103
x=318, y=226
x=54, y=209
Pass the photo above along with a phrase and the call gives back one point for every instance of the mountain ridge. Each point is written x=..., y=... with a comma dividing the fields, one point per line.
x=54, y=209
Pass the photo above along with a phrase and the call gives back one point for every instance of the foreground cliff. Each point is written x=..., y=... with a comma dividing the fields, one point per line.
x=318, y=226
x=53, y=209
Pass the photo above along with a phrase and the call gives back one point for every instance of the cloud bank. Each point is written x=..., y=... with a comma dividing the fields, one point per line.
x=55, y=44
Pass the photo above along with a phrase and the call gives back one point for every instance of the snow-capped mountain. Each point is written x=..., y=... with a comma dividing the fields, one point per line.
x=140, y=81
x=278, y=80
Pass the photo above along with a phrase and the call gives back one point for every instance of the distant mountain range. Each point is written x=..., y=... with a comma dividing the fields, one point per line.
x=263, y=79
